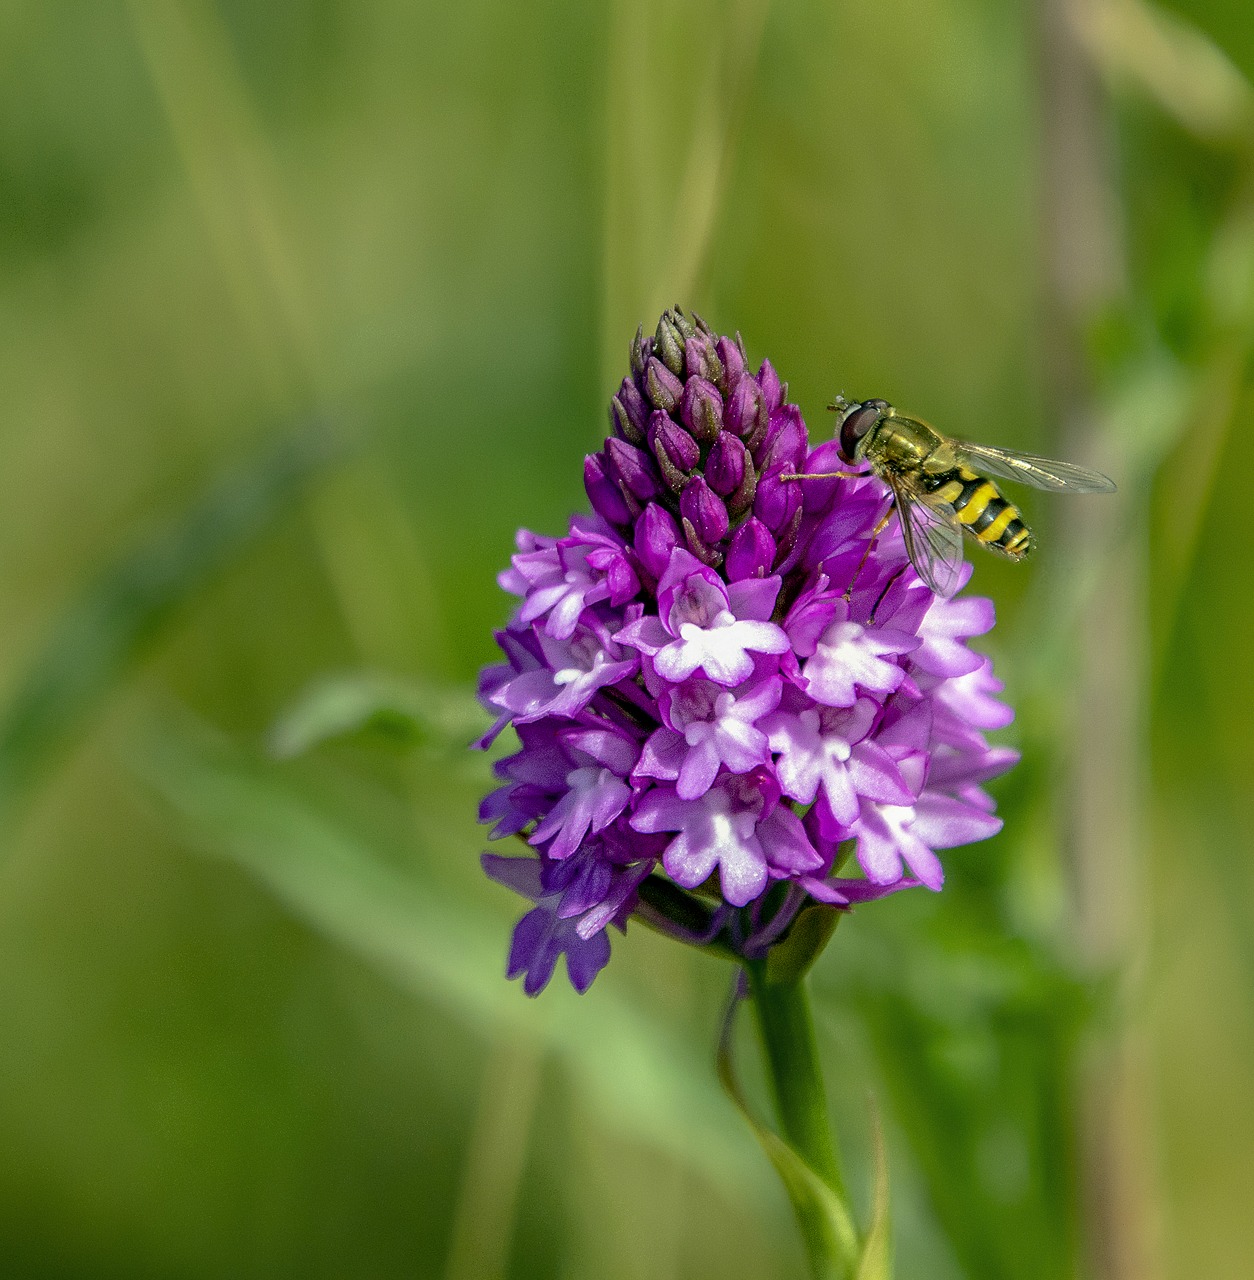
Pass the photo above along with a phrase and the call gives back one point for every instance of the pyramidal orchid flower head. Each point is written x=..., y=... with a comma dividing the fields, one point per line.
x=723, y=679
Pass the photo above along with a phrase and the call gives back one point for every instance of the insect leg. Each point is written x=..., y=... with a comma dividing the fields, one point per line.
x=825, y=475
x=880, y=599
x=880, y=526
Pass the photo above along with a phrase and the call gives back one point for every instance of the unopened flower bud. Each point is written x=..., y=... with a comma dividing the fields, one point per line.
x=740, y=501
x=701, y=360
x=771, y=386
x=702, y=409
x=725, y=467
x=603, y=493
x=747, y=413
x=703, y=551
x=688, y=326
x=656, y=536
x=788, y=538
x=704, y=510
x=784, y=448
x=662, y=387
x=777, y=501
x=668, y=344
x=629, y=413
x=631, y=466
x=677, y=453
x=733, y=364
x=751, y=552
x=621, y=424
x=641, y=350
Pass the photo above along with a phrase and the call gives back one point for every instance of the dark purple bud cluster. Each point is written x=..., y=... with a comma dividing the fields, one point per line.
x=697, y=434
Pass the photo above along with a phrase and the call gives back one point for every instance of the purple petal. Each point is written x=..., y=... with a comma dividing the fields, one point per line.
x=754, y=598
x=946, y=823
x=700, y=768
x=520, y=874
x=663, y=755
x=944, y=627
x=788, y=848
x=647, y=634
x=844, y=893
x=956, y=769
x=585, y=958
x=875, y=775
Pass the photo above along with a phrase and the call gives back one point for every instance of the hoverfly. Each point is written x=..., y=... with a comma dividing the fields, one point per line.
x=941, y=487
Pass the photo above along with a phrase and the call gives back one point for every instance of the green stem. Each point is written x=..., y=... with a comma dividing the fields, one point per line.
x=794, y=1073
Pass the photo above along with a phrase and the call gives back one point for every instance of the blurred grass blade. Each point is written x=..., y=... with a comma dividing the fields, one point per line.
x=973, y=1062
x=876, y=1262
x=411, y=712
x=667, y=172
x=102, y=632
x=1174, y=63
x=830, y=1237
x=495, y=1163
x=642, y=1081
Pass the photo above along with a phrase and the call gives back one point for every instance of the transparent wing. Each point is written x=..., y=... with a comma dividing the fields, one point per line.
x=1029, y=468
x=933, y=540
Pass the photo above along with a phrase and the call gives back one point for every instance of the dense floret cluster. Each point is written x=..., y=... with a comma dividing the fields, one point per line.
x=722, y=676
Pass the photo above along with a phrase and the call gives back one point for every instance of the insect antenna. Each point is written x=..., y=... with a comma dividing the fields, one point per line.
x=825, y=475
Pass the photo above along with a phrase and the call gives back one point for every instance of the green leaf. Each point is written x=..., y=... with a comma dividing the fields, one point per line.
x=411, y=712
x=642, y=1080
x=791, y=959
x=970, y=1034
x=876, y=1262
x=826, y=1223
x=120, y=613
x=1171, y=61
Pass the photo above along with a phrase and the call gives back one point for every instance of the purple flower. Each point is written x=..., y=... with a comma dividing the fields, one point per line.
x=735, y=827
x=542, y=936
x=888, y=834
x=724, y=676
x=831, y=748
x=849, y=655
x=560, y=578
x=592, y=793
x=965, y=706
x=559, y=677
x=706, y=624
x=945, y=626
x=707, y=726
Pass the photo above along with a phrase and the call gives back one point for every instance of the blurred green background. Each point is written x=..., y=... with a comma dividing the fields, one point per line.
x=304, y=307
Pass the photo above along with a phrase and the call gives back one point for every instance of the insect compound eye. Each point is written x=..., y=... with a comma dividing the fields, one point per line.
x=857, y=423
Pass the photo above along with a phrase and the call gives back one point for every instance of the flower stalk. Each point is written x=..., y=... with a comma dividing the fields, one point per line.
x=740, y=713
x=805, y=1156
x=795, y=1077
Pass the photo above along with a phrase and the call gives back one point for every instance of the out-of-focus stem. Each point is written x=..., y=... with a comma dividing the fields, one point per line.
x=483, y=1221
x=1084, y=261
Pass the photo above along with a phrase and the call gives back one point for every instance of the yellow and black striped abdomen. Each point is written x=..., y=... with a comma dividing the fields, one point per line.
x=980, y=507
